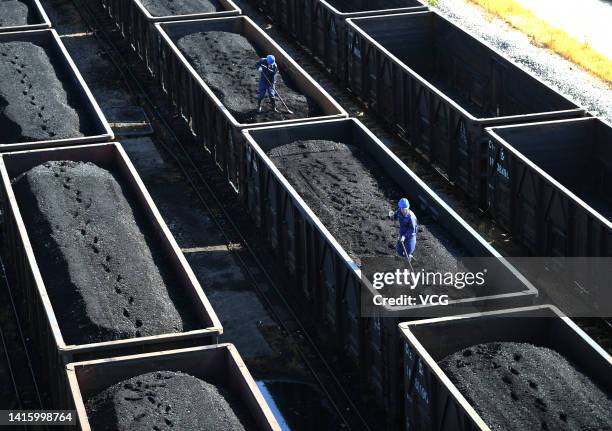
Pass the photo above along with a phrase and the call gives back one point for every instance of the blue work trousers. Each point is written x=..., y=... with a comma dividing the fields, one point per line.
x=409, y=243
x=264, y=88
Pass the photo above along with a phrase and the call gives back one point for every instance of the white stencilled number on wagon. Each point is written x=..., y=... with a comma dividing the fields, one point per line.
x=409, y=371
x=421, y=371
x=420, y=389
x=492, y=146
x=377, y=324
x=502, y=171
x=409, y=352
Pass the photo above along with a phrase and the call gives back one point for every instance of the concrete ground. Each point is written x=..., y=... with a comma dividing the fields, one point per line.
x=240, y=310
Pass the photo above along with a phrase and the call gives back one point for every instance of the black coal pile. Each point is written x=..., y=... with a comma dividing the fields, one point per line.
x=517, y=386
x=179, y=7
x=97, y=256
x=166, y=400
x=14, y=13
x=226, y=62
x=346, y=6
x=351, y=195
x=34, y=105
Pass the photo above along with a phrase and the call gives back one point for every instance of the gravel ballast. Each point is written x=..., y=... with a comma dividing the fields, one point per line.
x=97, y=257
x=346, y=6
x=226, y=61
x=14, y=13
x=561, y=74
x=179, y=7
x=518, y=386
x=351, y=195
x=165, y=400
x=34, y=105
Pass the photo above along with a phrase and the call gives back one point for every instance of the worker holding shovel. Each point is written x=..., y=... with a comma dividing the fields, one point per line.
x=408, y=226
x=267, y=81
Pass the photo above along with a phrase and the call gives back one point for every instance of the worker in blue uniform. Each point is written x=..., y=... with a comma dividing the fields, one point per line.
x=408, y=227
x=268, y=69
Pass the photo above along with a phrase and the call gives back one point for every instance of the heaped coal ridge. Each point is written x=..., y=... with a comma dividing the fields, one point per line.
x=97, y=256
x=179, y=7
x=34, y=105
x=352, y=195
x=165, y=400
x=517, y=386
x=14, y=13
x=226, y=62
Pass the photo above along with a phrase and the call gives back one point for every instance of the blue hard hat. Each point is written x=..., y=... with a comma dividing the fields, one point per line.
x=271, y=59
x=403, y=203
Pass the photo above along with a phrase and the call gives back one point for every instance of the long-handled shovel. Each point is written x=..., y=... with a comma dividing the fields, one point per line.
x=289, y=111
x=408, y=259
x=406, y=255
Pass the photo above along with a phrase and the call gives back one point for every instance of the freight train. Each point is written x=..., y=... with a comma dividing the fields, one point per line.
x=480, y=118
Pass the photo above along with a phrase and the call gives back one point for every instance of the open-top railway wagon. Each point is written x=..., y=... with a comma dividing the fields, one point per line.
x=440, y=87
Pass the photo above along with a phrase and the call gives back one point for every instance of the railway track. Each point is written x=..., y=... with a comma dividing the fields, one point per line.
x=218, y=199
